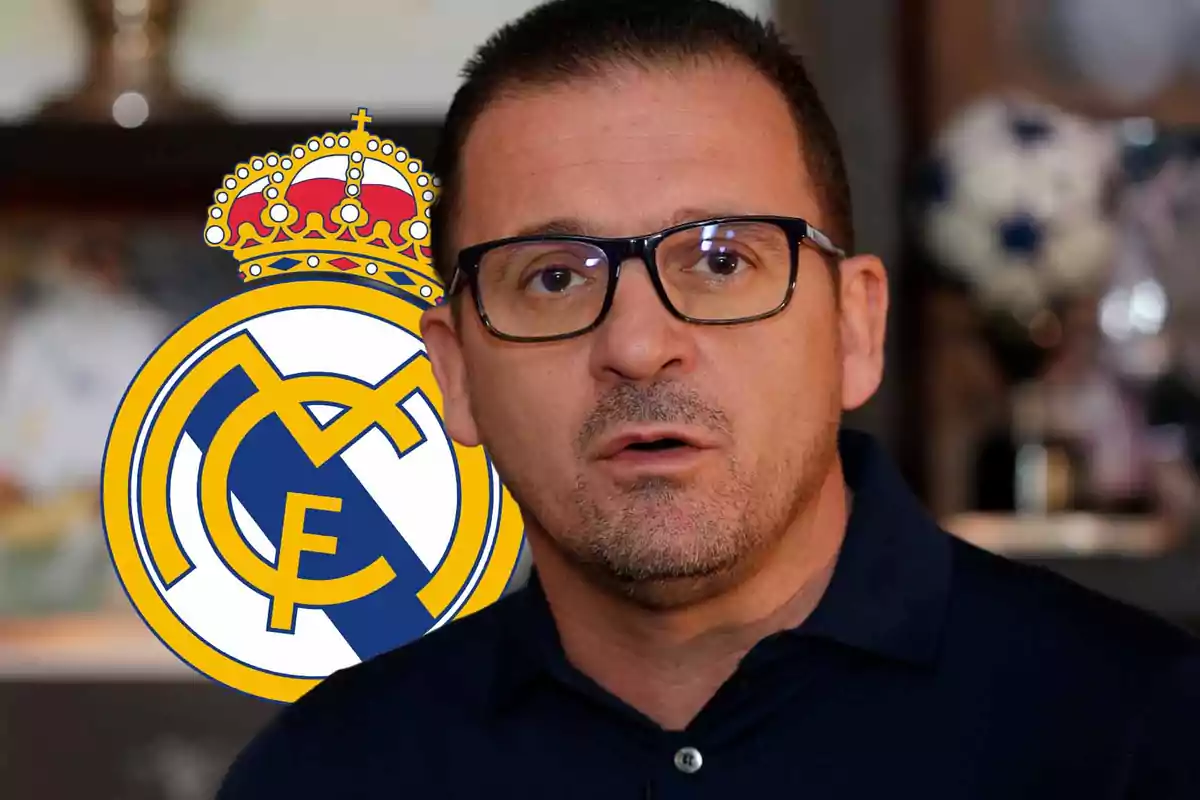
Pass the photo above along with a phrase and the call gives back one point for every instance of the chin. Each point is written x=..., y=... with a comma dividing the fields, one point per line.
x=663, y=593
x=663, y=559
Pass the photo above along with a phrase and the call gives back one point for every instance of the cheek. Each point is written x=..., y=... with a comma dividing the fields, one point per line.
x=526, y=416
x=789, y=380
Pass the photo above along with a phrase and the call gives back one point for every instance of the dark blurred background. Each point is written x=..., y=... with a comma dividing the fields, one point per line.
x=1028, y=169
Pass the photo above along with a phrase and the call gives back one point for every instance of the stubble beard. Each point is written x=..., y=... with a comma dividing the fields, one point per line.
x=663, y=543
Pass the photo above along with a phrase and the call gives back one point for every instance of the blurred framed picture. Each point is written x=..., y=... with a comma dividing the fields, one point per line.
x=83, y=303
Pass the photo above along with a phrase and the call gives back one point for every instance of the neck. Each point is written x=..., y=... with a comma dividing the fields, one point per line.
x=669, y=663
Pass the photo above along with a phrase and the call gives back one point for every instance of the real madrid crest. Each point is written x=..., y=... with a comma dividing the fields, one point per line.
x=280, y=496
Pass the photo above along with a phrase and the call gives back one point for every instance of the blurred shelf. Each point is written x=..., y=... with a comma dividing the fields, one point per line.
x=165, y=167
x=1065, y=535
x=85, y=647
x=1139, y=561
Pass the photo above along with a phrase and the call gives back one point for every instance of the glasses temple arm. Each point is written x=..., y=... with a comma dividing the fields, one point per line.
x=823, y=242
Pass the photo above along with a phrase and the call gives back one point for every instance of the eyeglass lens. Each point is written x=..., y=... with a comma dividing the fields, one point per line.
x=710, y=273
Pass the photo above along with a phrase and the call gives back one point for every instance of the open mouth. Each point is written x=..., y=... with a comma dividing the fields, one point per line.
x=657, y=445
x=647, y=443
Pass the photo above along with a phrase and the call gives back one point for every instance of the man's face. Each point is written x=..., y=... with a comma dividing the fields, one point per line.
x=758, y=404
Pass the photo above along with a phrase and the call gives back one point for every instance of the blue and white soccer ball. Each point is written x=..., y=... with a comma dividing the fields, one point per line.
x=1016, y=205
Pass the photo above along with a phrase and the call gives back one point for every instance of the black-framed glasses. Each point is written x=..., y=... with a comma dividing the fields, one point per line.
x=723, y=271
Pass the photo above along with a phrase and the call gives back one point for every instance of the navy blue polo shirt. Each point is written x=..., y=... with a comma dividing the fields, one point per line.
x=929, y=669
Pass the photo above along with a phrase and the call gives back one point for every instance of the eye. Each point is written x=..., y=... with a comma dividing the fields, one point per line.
x=551, y=280
x=720, y=261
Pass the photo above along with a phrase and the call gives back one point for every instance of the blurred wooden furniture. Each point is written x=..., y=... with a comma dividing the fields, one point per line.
x=1075, y=535
x=109, y=645
x=154, y=169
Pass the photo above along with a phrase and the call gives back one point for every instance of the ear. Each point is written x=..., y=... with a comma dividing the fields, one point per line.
x=863, y=321
x=444, y=346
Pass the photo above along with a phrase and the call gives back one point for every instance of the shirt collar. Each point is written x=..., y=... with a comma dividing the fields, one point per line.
x=887, y=596
x=890, y=586
x=529, y=646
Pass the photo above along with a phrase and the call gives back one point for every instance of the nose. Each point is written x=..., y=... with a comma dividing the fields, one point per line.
x=640, y=339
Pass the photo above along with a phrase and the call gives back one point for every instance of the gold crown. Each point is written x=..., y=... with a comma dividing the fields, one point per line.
x=349, y=203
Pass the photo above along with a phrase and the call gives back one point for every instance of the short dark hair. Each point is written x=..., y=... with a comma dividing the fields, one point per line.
x=566, y=39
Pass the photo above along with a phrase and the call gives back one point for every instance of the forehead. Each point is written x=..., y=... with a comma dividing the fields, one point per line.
x=626, y=151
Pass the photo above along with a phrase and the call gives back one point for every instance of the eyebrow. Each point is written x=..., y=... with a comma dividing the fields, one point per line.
x=573, y=226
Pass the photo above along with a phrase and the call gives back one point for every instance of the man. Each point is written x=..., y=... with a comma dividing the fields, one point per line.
x=730, y=596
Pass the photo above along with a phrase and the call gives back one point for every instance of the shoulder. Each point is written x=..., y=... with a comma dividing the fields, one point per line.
x=1045, y=655
x=1046, y=616
x=388, y=709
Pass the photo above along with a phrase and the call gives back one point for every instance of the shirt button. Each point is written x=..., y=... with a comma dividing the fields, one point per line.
x=688, y=759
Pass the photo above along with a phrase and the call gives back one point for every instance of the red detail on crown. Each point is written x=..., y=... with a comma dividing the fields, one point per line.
x=390, y=203
x=248, y=208
x=408, y=251
x=343, y=263
x=426, y=251
x=317, y=195
x=321, y=195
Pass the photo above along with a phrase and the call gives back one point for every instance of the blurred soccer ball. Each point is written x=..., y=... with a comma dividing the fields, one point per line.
x=1016, y=204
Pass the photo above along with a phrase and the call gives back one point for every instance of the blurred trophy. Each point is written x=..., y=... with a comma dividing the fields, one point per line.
x=129, y=79
x=1017, y=213
x=1151, y=318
